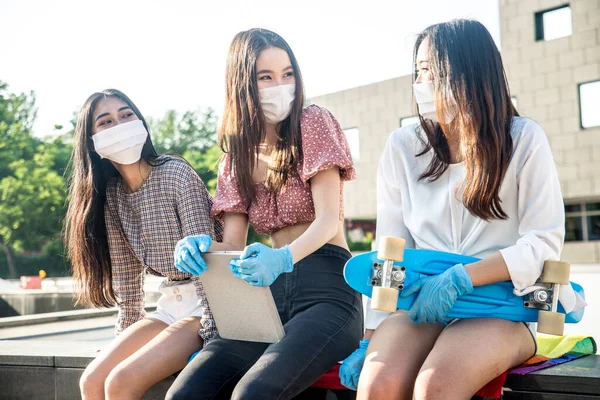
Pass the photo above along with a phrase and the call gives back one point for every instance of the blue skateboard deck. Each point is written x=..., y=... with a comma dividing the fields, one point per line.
x=496, y=300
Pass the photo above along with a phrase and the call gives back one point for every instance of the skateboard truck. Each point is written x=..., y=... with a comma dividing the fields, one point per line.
x=397, y=276
x=543, y=297
x=387, y=278
x=554, y=274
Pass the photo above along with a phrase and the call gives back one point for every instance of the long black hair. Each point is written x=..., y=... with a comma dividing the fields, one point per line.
x=85, y=229
x=466, y=66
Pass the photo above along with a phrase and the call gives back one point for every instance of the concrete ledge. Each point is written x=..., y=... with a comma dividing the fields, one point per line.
x=577, y=379
x=35, y=370
x=24, y=320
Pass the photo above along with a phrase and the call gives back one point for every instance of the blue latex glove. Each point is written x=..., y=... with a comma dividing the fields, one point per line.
x=260, y=265
x=437, y=294
x=352, y=365
x=188, y=254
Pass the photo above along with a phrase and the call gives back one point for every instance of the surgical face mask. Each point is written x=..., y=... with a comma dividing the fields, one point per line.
x=122, y=143
x=276, y=102
x=425, y=100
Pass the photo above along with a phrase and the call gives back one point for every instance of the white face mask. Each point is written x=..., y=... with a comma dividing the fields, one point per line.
x=276, y=102
x=122, y=143
x=425, y=100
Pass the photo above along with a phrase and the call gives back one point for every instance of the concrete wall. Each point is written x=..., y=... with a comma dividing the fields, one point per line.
x=376, y=111
x=544, y=76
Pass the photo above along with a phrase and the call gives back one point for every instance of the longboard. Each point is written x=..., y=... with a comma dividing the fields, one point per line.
x=495, y=300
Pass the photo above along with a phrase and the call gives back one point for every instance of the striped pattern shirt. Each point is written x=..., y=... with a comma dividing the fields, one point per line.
x=143, y=228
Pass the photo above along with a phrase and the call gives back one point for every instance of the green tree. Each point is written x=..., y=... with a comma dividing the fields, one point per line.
x=192, y=135
x=32, y=191
x=193, y=130
x=32, y=202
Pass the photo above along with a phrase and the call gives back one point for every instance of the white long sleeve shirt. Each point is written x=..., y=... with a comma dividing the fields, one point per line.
x=431, y=215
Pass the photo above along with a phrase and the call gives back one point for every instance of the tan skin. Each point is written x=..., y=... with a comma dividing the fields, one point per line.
x=273, y=68
x=149, y=350
x=425, y=361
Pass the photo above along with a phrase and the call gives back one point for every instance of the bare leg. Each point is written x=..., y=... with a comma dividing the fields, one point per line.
x=395, y=355
x=470, y=353
x=164, y=355
x=132, y=339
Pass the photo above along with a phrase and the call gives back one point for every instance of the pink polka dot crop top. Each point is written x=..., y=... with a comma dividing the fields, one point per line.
x=324, y=146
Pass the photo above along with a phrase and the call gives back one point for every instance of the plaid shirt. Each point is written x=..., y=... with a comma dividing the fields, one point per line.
x=143, y=229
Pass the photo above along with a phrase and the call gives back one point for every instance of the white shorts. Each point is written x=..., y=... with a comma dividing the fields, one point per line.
x=179, y=300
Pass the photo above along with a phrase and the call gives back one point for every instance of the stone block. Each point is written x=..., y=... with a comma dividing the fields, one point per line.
x=557, y=46
x=589, y=138
x=534, y=83
x=566, y=141
x=560, y=78
x=571, y=59
x=570, y=125
x=568, y=92
x=585, y=40
x=563, y=109
x=67, y=383
x=581, y=187
x=547, y=96
x=596, y=153
x=586, y=73
x=544, y=65
x=592, y=54
x=552, y=127
x=581, y=155
x=589, y=170
x=567, y=172
x=31, y=383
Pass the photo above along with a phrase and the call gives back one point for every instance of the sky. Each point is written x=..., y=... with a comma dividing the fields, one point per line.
x=171, y=55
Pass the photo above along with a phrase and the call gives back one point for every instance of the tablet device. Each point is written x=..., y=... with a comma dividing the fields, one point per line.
x=241, y=311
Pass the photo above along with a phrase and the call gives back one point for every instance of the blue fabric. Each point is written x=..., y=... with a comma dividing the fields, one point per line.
x=188, y=254
x=437, y=294
x=260, y=265
x=351, y=367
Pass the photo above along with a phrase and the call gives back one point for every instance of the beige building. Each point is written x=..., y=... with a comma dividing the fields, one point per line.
x=551, y=53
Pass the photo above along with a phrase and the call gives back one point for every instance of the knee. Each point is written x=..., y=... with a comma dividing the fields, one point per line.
x=256, y=389
x=180, y=392
x=118, y=383
x=434, y=383
x=91, y=382
x=382, y=384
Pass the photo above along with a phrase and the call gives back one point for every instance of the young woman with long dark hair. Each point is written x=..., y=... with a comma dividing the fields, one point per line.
x=473, y=178
x=128, y=208
x=283, y=172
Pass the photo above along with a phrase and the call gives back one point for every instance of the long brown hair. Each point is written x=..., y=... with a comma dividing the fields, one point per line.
x=85, y=229
x=243, y=125
x=466, y=65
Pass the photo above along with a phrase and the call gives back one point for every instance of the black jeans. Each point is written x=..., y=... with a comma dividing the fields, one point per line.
x=322, y=317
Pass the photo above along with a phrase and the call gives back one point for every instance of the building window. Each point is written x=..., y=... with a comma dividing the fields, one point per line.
x=582, y=222
x=353, y=142
x=589, y=104
x=408, y=121
x=554, y=23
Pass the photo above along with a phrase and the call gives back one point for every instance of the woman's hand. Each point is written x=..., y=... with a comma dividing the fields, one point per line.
x=188, y=254
x=437, y=294
x=260, y=265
